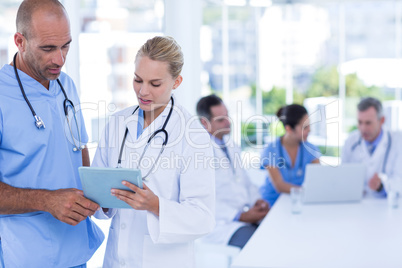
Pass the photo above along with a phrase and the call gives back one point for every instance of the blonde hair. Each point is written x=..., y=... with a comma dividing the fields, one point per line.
x=165, y=49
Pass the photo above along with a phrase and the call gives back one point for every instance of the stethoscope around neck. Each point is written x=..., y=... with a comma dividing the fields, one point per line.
x=161, y=130
x=66, y=103
x=384, y=163
x=299, y=171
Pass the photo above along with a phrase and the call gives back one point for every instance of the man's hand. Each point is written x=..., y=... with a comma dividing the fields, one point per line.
x=375, y=182
x=256, y=213
x=262, y=205
x=69, y=205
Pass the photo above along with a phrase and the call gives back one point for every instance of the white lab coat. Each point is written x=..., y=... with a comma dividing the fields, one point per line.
x=355, y=151
x=234, y=191
x=183, y=181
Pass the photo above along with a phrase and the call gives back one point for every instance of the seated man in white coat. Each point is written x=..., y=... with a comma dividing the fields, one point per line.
x=376, y=147
x=239, y=207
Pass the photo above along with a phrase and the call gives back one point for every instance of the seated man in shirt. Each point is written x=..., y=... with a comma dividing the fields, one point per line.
x=239, y=207
x=376, y=147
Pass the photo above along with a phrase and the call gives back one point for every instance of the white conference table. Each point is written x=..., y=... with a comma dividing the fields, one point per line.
x=366, y=234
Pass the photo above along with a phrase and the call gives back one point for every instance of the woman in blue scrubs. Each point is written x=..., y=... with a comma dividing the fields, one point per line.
x=286, y=158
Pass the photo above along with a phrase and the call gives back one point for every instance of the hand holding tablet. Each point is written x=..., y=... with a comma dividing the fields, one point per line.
x=98, y=182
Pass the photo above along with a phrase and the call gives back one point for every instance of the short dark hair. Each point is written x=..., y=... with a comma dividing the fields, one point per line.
x=368, y=102
x=290, y=115
x=28, y=8
x=204, y=105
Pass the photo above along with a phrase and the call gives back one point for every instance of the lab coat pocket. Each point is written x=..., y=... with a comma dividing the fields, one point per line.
x=167, y=255
x=112, y=247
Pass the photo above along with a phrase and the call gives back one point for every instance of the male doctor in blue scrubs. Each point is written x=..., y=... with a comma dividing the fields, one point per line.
x=44, y=217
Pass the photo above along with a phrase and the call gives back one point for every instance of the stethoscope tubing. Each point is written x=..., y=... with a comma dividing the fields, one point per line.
x=20, y=85
x=161, y=130
x=38, y=121
x=384, y=163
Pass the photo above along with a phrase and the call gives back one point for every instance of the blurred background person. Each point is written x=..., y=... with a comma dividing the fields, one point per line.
x=374, y=146
x=286, y=158
x=239, y=207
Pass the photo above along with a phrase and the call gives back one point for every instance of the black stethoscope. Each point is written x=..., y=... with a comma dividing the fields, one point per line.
x=299, y=171
x=161, y=130
x=384, y=163
x=67, y=103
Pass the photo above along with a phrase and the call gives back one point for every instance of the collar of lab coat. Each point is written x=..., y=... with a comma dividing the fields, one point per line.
x=226, y=140
x=381, y=146
x=132, y=123
x=376, y=141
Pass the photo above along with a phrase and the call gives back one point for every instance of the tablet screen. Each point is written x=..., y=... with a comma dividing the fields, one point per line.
x=98, y=182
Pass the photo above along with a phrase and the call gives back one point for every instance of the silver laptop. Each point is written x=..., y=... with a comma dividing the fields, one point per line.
x=324, y=184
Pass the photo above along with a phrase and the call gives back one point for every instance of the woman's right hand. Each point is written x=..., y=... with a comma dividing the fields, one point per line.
x=137, y=198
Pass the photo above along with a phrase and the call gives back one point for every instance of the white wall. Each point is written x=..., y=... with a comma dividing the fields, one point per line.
x=183, y=19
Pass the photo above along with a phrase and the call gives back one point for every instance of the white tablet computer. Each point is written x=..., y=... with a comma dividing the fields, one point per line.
x=98, y=182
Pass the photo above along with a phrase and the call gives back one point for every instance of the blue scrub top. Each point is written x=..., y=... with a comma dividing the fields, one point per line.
x=41, y=159
x=276, y=155
x=374, y=144
x=140, y=123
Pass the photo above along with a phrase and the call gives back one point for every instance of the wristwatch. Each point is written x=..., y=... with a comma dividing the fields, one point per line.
x=380, y=188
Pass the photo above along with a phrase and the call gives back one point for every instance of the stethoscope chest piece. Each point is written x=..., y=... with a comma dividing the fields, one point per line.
x=38, y=121
x=80, y=148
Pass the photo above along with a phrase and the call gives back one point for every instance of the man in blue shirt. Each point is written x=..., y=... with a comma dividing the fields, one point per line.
x=44, y=217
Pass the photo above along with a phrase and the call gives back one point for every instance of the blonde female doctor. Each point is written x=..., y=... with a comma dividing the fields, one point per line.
x=176, y=204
